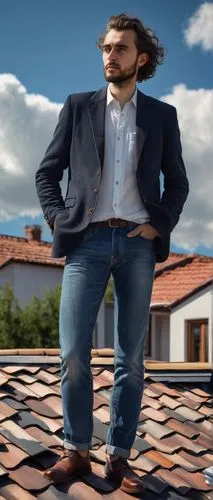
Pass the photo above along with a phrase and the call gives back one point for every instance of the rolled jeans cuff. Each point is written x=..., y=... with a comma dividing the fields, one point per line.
x=76, y=446
x=115, y=450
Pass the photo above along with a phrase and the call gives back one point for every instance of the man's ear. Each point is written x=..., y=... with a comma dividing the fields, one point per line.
x=143, y=59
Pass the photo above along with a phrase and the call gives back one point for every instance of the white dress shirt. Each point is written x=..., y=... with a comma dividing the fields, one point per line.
x=118, y=193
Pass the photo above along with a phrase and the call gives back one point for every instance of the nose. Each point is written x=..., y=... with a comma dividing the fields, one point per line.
x=112, y=54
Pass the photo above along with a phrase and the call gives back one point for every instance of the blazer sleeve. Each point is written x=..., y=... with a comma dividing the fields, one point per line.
x=55, y=161
x=176, y=185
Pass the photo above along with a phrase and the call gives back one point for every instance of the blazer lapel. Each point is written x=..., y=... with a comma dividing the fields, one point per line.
x=96, y=111
x=142, y=123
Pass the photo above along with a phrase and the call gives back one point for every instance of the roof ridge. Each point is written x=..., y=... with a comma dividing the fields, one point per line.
x=20, y=239
x=172, y=265
x=183, y=261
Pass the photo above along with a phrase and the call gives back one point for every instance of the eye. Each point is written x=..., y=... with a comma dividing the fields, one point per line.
x=106, y=50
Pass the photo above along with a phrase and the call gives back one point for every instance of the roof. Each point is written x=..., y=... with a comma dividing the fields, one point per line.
x=173, y=444
x=179, y=277
x=17, y=249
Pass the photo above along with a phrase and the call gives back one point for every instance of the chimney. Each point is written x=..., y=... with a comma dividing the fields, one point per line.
x=33, y=233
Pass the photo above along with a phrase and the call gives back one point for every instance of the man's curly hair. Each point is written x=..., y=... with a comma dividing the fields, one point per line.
x=145, y=41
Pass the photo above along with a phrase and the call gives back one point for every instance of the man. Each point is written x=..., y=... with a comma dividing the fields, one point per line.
x=115, y=142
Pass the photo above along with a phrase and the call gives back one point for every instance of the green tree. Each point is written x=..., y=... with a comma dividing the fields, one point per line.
x=39, y=322
x=10, y=317
x=109, y=296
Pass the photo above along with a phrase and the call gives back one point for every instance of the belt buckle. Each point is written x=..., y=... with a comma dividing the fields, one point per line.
x=111, y=225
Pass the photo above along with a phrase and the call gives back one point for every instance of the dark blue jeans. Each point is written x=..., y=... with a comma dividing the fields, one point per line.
x=131, y=261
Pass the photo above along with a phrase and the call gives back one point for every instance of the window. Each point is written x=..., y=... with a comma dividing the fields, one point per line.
x=198, y=340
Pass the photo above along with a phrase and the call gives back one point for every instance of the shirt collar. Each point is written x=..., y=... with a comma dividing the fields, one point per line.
x=110, y=97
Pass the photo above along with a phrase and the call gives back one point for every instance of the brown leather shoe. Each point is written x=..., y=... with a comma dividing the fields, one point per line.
x=121, y=474
x=70, y=464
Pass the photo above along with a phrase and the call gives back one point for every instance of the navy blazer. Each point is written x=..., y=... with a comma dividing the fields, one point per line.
x=78, y=144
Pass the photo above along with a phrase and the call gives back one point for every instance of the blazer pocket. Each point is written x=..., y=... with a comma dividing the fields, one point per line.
x=70, y=202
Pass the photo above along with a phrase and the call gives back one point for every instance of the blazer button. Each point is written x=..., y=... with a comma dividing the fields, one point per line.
x=91, y=210
x=95, y=190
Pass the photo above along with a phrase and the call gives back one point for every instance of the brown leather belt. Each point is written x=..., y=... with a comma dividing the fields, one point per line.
x=114, y=223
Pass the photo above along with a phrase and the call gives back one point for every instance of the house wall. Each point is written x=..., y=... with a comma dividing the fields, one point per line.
x=200, y=306
x=6, y=275
x=34, y=280
x=160, y=336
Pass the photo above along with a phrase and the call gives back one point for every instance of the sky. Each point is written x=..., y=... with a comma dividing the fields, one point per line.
x=48, y=51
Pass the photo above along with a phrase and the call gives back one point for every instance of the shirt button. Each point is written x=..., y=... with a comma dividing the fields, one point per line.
x=117, y=161
x=118, y=138
x=117, y=182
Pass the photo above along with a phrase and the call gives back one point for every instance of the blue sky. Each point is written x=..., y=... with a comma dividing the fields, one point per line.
x=50, y=47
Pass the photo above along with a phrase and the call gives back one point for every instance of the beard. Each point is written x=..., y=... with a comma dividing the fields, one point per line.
x=122, y=76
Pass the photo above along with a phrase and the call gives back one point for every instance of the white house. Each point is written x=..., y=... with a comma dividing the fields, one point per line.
x=181, y=316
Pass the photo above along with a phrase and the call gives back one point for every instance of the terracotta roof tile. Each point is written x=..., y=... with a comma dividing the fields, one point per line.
x=84, y=492
x=157, y=415
x=41, y=390
x=21, y=388
x=13, y=403
x=26, y=419
x=53, y=424
x=189, y=414
x=198, y=461
x=49, y=440
x=54, y=402
x=13, y=248
x=97, y=481
x=41, y=408
x=181, y=484
x=102, y=414
x=170, y=402
x=47, y=377
x=195, y=479
x=189, y=403
x=11, y=456
x=147, y=401
x=29, y=478
x=12, y=491
x=160, y=459
x=172, y=447
x=176, y=283
x=156, y=430
x=6, y=411
x=205, y=410
x=27, y=379
x=184, y=429
x=145, y=463
x=175, y=415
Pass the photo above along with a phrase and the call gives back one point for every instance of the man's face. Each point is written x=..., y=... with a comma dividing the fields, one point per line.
x=120, y=56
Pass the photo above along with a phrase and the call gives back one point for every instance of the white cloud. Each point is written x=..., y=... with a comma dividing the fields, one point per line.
x=195, y=118
x=27, y=122
x=200, y=27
